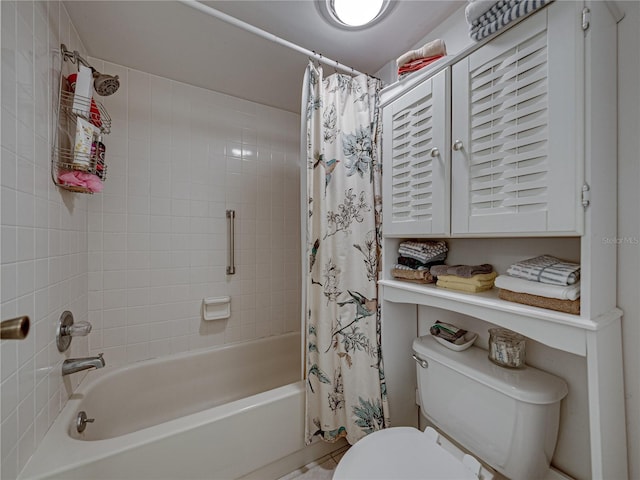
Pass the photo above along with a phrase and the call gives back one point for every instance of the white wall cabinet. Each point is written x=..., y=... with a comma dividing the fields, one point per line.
x=417, y=159
x=529, y=122
x=500, y=151
x=518, y=166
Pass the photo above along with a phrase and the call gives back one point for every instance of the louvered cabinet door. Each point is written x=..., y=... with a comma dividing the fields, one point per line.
x=416, y=160
x=517, y=162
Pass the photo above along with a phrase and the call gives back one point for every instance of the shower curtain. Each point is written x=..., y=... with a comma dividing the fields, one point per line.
x=345, y=386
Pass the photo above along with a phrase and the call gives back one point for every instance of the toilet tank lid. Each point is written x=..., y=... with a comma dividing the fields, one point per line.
x=528, y=385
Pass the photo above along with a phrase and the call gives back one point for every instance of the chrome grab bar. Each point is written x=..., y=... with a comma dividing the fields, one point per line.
x=231, y=266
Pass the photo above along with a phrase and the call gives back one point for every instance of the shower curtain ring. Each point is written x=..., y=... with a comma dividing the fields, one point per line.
x=315, y=59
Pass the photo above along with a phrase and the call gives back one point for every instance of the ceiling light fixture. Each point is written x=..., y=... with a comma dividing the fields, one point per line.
x=353, y=14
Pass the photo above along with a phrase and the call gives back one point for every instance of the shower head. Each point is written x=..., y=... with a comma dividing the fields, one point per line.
x=104, y=84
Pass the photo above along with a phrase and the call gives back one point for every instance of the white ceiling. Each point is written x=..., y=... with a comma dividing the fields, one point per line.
x=173, y=40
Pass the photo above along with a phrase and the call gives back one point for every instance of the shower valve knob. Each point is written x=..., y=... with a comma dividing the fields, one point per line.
x=67, y=329
x=79, y=329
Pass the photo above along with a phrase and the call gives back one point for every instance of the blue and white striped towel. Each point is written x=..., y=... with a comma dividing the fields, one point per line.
x=476, y=8
x=423, y=251
x=503, y=14
x=546, y=269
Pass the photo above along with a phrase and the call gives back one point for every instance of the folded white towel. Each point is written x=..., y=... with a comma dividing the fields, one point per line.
x=431, y=49
x=569, y=292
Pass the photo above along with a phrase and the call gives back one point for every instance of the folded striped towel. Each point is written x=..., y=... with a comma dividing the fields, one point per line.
x=413, y=263
x=478, y=8
x=399, y=266
x=546, y=269
x=424, y=251
x=406, y=273
x=491, y=21
x=490, y=14
x=520, y=285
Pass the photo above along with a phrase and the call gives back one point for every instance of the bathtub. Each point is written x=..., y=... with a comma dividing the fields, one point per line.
x=224, y=413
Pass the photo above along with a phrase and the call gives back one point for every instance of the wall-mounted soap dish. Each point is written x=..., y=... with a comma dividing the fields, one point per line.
x=216, y=308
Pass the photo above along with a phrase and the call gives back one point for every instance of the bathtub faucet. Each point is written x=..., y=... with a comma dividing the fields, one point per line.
x=73, y=365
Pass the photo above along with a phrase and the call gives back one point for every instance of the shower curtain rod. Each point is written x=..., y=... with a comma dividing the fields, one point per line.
x=266, y=35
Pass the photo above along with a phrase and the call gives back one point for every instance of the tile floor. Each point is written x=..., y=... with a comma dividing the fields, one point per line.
x=321, y=469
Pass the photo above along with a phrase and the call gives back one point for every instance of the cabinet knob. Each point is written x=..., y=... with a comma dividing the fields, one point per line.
x=457, y=145
x=435, y=152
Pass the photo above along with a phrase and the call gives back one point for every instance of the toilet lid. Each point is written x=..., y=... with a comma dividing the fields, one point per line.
x=400, y=453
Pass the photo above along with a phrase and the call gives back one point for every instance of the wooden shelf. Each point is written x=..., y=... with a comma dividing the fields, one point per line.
x=556, y=329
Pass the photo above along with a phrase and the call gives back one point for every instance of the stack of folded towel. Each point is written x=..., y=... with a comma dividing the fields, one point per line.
x=416, y=258
x=485, y=17
x=466, y=278
x=543, y=281
x=414, y=60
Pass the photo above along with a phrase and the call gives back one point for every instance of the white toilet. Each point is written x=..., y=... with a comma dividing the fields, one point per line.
x=507, y=418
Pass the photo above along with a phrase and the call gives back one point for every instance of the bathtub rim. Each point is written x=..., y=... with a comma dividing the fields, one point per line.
x=58, y=444
x=94, y=376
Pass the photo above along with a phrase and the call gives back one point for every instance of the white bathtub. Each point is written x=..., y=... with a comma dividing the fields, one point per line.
x=217, y=414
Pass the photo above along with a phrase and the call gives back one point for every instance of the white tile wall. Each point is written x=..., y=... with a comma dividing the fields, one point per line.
x=136, y=260
x=178, y=157
x=43, y=242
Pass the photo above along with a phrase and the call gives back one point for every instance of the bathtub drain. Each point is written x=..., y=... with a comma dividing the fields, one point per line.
x=82, y=420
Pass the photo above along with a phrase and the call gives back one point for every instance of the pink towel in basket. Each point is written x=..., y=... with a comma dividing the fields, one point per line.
x=75, y=178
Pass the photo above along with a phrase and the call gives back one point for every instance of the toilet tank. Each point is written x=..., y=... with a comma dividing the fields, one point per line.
x=508, y=418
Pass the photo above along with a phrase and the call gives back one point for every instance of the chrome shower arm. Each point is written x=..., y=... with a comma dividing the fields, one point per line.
x=75, y=57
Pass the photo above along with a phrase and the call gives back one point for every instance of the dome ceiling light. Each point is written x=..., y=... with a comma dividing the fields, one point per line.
x=353, y=14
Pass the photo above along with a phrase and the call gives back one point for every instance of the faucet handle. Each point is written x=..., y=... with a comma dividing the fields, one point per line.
x=67, y=329
x=79, y=329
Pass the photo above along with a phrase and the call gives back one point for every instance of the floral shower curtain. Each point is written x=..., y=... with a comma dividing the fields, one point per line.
x=345, y=386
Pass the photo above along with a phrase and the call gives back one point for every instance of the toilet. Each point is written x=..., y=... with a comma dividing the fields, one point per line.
x=508, y=419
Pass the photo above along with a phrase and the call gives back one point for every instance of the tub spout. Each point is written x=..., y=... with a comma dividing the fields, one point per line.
x=73, y=365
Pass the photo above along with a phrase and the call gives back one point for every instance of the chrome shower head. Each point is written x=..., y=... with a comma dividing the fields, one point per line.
x=104, y=84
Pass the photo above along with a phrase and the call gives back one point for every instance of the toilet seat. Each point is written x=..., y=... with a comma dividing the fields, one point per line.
x=403, y=453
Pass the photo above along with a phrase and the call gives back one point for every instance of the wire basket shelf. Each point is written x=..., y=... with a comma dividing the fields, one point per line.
x=66, y=158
